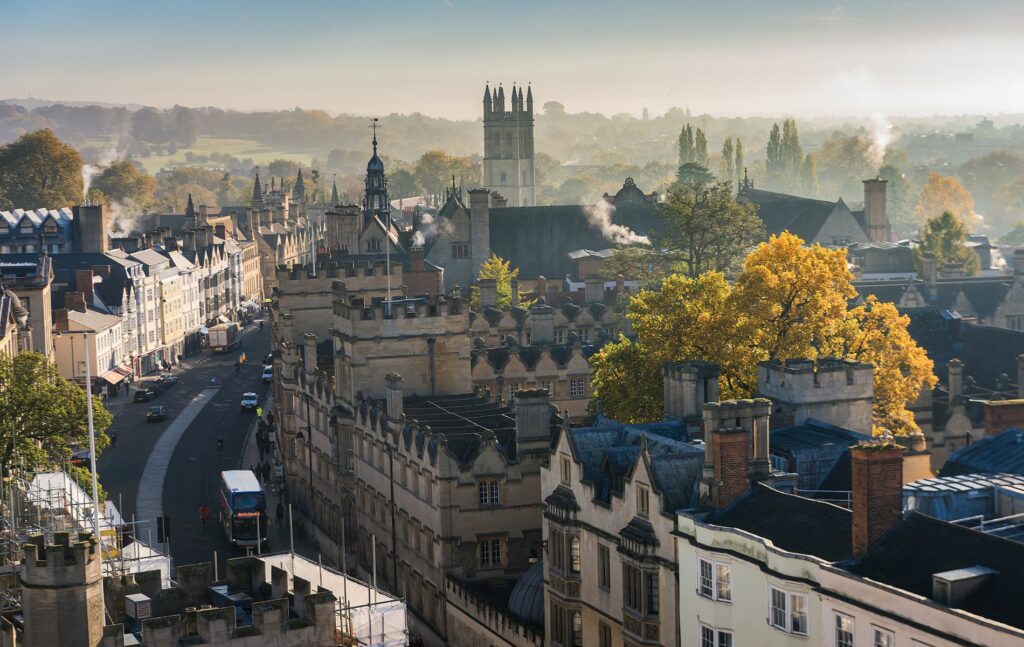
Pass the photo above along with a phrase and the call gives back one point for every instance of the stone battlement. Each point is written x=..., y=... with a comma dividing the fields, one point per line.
x=497, y=621
x=62, y=563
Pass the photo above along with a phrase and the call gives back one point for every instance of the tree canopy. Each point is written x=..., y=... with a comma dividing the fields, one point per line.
x=38, y=170
x=942, y=193
x=126, y=183
x=42, y=414
x=503, y=273
x=789, y=302
x=945, y=236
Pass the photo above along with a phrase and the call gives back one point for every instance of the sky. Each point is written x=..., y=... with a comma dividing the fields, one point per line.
x=724, y=57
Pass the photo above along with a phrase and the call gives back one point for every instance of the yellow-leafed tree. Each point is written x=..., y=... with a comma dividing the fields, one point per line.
x=943, y=193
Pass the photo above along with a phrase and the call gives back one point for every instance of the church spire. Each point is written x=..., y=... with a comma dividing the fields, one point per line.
x=190, y=208
x=300, y=188
x=529, y=99
x=257, y=194
x=334, y=193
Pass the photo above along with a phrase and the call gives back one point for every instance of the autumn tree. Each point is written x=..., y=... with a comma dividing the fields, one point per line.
x=125, y=182
x=43, y=415
x=942, y=193
x=629, y=380
x=789, y=302
x=899, y=201
x=39, y=170
x=944, y=237
x=503, y=273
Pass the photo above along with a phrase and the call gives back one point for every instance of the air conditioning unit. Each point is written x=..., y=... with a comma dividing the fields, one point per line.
x=137, y=606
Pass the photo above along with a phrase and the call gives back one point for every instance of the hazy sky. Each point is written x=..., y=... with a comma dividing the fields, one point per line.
x=728, y=57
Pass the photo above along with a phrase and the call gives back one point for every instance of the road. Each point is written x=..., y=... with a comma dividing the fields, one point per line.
x=194, y=464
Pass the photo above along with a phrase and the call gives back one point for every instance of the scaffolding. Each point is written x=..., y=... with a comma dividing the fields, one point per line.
x=52, y=502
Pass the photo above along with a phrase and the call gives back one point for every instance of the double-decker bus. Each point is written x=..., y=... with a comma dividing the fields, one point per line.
x=243, y=507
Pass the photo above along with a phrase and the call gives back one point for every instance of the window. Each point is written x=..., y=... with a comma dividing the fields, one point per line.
x=513, y=388
x=566, y=470
x=577, y=629
x=578, y=388
x=883, y=638
x=373, y=245
x=604, y=567
x=557, y=624
x=460, y=250
x=711, y=637
x=643, y=501
x=495, y=491
x=605, y=633
x=584, y=334
x=545, y=384
x=556, y=541
x=504, y=177
x=653, y=594
x=789, y=611
x=560, y=336
x=483, y=493
x=490, y=552
x=844, y=630
x=574, y=554
x=632, y=580
x=714, y=580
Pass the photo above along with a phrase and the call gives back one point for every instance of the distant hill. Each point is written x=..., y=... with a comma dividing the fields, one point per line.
x=39, y=103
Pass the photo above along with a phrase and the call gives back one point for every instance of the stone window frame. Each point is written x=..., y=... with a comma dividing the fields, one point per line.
x=578, y=388
x=604, y=567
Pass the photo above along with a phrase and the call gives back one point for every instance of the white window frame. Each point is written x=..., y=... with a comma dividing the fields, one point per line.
x=718, y=637
x=888, y=637
x=787, y=610
x=715, y=581
x=837, y=627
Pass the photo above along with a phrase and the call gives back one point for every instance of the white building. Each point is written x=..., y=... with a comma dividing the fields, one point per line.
x=103, y=335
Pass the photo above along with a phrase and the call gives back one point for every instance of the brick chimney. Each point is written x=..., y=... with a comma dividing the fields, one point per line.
x=74, y=301
x=542, y=324
x=877, y=495
x=515, y=292
x=1001, y=415
x=874, y=210
x=726, y=448
x=60, y=319
x=221, y=231
x=83, y=284
x=416, y=263
x=929, y=268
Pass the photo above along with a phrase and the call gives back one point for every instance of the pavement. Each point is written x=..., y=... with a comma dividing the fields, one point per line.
x=173, y=467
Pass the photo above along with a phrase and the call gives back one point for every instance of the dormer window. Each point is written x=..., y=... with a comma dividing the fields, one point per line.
x=566, y=471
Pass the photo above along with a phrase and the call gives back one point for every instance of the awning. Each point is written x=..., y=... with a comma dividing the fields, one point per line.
x=113, y=377
x=124, y=369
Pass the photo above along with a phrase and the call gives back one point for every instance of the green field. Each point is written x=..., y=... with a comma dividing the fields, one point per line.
x=240, y=148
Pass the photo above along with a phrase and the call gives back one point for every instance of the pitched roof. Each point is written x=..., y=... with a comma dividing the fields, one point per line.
x=801, y=216
x=1002, y=453
x=919, y=546
x=792, y=523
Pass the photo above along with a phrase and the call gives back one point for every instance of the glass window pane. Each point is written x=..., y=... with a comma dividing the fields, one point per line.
x=723, y=580
x=779, y=609
x=798, y=617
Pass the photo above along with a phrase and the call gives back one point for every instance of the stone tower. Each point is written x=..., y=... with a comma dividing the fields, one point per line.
x=62, y=591
x=375, y=199
x=508, y=145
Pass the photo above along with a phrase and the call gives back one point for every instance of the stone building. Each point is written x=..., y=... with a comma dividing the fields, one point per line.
x=31, y=282
x=508, y=145
x=82, y=228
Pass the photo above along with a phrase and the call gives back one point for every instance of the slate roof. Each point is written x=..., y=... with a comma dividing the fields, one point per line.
x=1002, y=453
x=111, y=289
x=609, y=451
x=801, y=216
x=919, y=546
x=792, y=523
x=984, y=293
x=62, y=216
x=819, y=451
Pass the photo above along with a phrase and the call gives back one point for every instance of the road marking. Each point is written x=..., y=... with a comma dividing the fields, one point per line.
x=149, y=502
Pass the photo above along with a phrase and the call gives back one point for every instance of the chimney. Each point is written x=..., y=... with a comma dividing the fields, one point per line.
x=479, y=227
x=1001, y=415
x=221, y=231
x=620, y=284
x=726, y=448
x=60, y=319
x=542, y=286
x=877, y=495
x=309, y=350
x=593, y=291
x=144, y=241
x=287, y=336
x=170, y=244
x=515, y=293
x=416, y=263
x=74, y=301
x=687, y=386
x=953, y=271
x=83, y=284
x=874, y=211
x=542, y=323
x=533, y=420
x=956, y=378
x=188, y=240
x=91, y=227
x=101, y=271
x=394, y=396
x=761, y=411
x=929, y=269
x=488, y=293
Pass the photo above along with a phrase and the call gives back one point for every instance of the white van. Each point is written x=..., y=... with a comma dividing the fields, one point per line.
x=268, y=373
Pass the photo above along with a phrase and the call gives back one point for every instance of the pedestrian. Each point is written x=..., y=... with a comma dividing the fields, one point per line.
x=280, y=513
x=113, y=439
x=259, y=412
x=128, y=389
x=266, y=472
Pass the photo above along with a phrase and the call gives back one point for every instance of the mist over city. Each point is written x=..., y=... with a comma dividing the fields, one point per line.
x=532, y=324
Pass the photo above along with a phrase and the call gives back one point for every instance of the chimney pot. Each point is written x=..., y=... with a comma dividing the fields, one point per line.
x=877, y=495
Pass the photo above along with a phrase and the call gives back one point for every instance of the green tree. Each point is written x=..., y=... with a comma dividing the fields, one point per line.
x=629, y=381
x=434, y=171
x=1015, y=236
x=700, y=148
x=726, y=169
x=501, y=271
x=773, y=158
x=402, y=184
x=187, y=127
x=945, y=236
x=704, y=228
x=686, y=150
x=740, y=168
x=842, y=163
x=42, y=415
x=1008, y=201
x=124, y=182
x=791, y=154
x=39, y=170
x=694, y=173
x=983, y=176
x=809, y=177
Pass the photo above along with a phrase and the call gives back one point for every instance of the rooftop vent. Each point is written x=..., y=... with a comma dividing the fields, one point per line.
x=952, y=587
x=137, y=606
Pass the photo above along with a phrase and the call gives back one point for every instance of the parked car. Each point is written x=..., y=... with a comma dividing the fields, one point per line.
x=156, y=386
x=156, y=414
x=268, y=373
x=250, y=401
x=144, y=395
x=170, y=379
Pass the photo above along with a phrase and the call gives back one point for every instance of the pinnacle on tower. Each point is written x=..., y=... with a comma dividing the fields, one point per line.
x=487, y=96
x=529, y=98
x=501, y=98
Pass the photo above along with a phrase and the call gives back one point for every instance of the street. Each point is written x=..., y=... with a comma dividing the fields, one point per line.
x=192, y=463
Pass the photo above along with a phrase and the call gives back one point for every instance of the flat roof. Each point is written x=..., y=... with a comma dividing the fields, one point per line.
x=240, y=481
